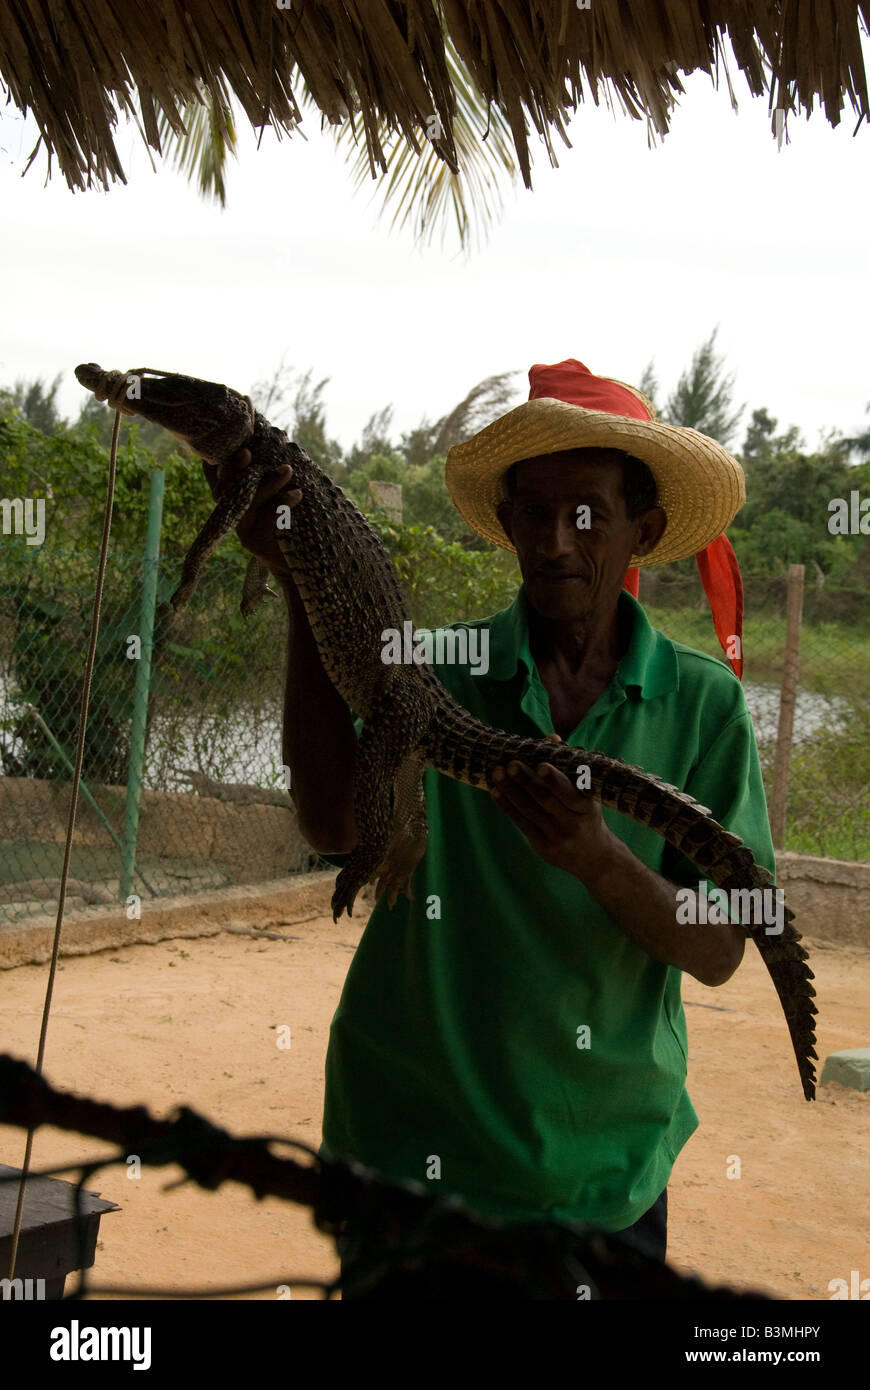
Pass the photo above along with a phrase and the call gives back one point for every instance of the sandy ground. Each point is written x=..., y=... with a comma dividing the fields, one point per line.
x=124, y=1029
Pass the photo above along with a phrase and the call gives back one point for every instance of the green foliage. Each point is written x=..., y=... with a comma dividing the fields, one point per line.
x=444, y=582
x=98, y=422
x=208, y=664
x=829, y=790
x=425, y=499
x=834, y=657
x=69, y=469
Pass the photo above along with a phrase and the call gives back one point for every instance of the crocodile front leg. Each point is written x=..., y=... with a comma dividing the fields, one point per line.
x=229, y=509
x=399, y=719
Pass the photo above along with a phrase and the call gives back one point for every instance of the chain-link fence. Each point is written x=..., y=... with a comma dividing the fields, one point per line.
x=209, y=806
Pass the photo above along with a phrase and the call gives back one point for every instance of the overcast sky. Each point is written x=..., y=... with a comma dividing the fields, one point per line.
x=621, y=254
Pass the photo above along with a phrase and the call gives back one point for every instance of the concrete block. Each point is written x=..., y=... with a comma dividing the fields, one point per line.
x=849, y=1068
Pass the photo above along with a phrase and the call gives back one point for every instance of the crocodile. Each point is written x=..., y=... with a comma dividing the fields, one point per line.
x=352, y=595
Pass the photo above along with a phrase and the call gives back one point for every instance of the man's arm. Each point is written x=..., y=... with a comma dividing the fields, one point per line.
x=568, y=830
x=319, y=742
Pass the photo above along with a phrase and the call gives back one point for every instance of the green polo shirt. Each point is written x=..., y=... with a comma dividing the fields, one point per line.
x=499, y=1037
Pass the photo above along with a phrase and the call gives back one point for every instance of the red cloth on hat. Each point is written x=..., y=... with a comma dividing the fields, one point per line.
x=723, y=585
x=720, y=575
x=573, y=383
x=570, y=381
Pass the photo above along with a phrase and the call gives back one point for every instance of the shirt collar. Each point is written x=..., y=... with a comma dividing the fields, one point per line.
x=649, y=663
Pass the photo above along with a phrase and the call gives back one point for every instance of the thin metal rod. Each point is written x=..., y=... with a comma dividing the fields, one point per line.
x=71, y=821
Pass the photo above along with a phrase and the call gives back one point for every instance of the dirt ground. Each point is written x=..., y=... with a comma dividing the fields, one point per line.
x=124, y=1029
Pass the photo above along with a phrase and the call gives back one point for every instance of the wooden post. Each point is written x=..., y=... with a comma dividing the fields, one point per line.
x=388, y=496
x=787, y=701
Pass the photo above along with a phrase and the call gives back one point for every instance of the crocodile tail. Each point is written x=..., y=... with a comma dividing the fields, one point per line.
x=723, y=858
x=786, y=961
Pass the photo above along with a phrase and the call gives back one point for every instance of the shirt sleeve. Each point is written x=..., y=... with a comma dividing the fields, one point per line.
x=728, y=780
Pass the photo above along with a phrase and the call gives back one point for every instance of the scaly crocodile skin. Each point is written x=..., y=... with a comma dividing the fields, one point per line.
x=351, y=594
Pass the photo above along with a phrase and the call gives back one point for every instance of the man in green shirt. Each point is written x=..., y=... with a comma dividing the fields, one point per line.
x=515, y=1034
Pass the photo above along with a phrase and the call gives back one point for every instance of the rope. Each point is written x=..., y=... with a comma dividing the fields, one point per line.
x=71, y=820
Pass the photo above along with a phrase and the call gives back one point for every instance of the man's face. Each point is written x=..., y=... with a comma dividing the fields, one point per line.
x=571, y=571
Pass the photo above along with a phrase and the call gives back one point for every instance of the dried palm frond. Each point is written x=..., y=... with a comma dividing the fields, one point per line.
x=75, y=65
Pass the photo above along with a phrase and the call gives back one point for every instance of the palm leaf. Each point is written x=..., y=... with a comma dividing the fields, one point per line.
x=417, y=185
x=202, y=147
x=421, y=188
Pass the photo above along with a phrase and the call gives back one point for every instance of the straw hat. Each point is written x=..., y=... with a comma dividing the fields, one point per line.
x=700, y=486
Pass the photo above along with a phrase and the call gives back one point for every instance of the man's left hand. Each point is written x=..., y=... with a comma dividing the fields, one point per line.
x=564, y=826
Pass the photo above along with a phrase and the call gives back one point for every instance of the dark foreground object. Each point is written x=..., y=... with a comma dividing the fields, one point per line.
x=52, y=1242
x=378, y=1226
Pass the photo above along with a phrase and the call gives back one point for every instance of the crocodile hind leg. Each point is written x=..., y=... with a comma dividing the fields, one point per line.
x=410, y=833
x=399, y=719
x=255, y=587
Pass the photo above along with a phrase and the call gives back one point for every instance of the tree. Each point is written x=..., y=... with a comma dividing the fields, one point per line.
x=860, y=442
x=704, y=396
x=759, y=433
x=36, y=402
x=649, y=384
x=376, y=439
x=305, y=414
x=484, y=403
x=309, y=426
x=270, y=396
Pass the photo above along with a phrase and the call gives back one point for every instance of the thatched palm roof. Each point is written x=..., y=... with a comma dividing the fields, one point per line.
x=74, y=64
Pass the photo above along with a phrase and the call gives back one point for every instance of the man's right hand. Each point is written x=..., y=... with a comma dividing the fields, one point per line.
x=257, y=529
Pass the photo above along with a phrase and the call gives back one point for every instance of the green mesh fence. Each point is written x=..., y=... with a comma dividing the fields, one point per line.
x=213, y=809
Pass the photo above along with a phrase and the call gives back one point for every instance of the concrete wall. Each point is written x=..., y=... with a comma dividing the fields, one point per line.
x=830, y=898
x=249, y=842
x=262, y=846
x=258, y=907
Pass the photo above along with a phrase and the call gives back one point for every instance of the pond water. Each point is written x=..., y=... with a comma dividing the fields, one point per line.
x=813, y=712
x=249, y=751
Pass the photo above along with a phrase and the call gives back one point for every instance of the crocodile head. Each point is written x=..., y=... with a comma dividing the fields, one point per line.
x=213, y=419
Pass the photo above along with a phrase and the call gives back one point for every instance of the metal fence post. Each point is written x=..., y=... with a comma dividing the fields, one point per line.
x=143, y=680
x=787, y=701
